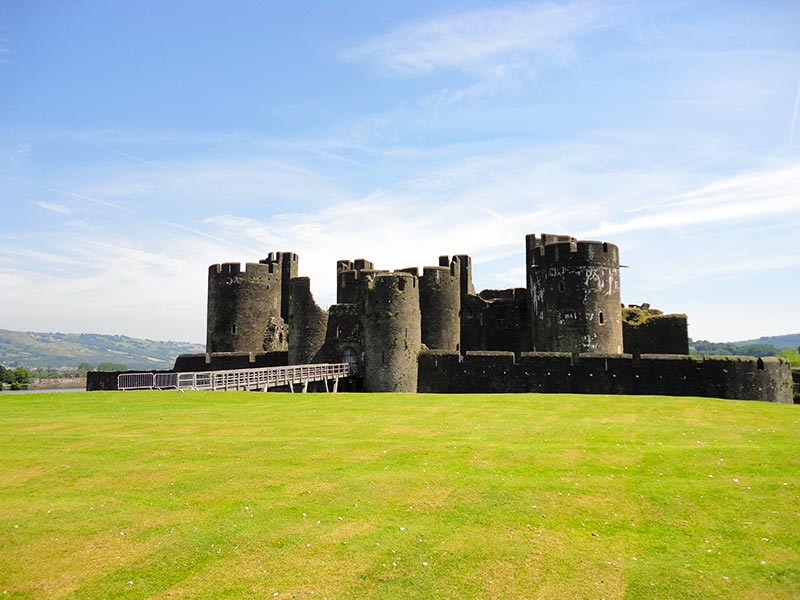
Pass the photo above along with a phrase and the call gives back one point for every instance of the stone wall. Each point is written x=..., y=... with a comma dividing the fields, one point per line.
x=767, y=379
x=223, y=361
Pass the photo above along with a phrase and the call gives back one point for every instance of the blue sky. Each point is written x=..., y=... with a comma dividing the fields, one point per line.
x=142, y=141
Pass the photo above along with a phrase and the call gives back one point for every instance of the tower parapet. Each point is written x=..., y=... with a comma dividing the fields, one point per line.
x=240, y=306
x=392, y=335
x=574, y=295
x=440, y=305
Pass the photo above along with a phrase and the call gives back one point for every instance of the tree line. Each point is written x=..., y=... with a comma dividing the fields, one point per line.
x=16, y=377
x=791, y=355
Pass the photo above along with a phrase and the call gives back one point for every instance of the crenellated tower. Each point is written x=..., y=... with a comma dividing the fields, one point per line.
x=440, y=305
x=248, y=309
x=392, y=336
x=243, y=307
x=574, y=295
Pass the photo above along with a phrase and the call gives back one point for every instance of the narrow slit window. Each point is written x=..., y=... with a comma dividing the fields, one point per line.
x=601, y=317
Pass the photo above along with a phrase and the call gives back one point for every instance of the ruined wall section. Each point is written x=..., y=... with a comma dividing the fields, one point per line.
x=349, y=275
x=307, y=323
x=243, y=308
x=574, y=295
x=287, y=263
x=440, y=306
x=496, y=320
x=465, y=274
x=743, y=378
x=392, y=335
x=660, y=334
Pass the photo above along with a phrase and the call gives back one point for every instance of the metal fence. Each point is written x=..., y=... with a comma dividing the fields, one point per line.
x=136, y=381
x=240, y=379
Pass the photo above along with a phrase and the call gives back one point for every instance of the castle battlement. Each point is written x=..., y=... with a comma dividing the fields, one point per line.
x=258, y=269
x=575, y=253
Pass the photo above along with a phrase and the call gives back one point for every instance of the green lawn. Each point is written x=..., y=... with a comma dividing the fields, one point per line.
x=247, y=495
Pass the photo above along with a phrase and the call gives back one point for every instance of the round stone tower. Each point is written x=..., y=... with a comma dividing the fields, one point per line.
x=307, y=323
x=243, y=307
x=573, y=291
x=392, y=332
x=440, y=305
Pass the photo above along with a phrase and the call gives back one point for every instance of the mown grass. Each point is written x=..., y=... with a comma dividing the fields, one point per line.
x=246, y=495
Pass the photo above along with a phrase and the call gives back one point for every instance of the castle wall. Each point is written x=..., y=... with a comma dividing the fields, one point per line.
x=496, y=320
x=574, y=296
x=224, y=361
x=660, y=334
x=742, y=378
x=440, y=306
x=392, y=333
x=240, y=306
x=349, y=280
x=344, y=337
x=307, y=323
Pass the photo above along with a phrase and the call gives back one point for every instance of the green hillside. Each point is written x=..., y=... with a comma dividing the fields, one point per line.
x=53, y=350
x=791, y=340
x=238, y=495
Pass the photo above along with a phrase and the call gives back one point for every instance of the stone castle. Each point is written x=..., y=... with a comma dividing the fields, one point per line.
x=406, y=331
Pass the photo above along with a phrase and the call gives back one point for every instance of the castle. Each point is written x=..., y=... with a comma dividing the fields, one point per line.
x=431, y=332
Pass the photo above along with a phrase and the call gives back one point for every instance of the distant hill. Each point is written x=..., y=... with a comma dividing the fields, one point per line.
x=53, y=350
x=763, y=346
x=791, y=340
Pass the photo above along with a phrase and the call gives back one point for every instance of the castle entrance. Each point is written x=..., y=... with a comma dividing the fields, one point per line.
x=350, y=357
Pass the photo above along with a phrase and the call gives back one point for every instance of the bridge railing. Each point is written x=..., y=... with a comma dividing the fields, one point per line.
x=238, y=379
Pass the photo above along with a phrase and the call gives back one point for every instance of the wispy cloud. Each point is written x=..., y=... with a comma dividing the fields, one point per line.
x=53, y=207
x=747, y=196
x=485, y=40
x=794, y=115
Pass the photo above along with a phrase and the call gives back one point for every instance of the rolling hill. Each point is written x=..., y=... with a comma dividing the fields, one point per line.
x=791, y=340
x=53, y=350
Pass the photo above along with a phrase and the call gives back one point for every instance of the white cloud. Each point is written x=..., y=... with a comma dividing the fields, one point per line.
x=747, y=196
x=485, y=40
x=52, y=206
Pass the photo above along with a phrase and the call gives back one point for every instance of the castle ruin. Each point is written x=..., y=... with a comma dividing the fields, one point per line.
x=406, y=332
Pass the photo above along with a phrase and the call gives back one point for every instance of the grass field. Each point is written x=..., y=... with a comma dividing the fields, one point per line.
x=246, y=495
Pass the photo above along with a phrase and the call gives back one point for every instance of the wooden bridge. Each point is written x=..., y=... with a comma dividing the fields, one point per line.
x=294, y=377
